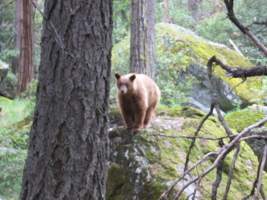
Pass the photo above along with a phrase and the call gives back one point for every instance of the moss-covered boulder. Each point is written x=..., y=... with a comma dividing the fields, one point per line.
x=180, y=69
x=241, y=119
x=144, y=165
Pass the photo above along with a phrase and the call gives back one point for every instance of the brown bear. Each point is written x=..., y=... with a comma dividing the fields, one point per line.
x=138, y=97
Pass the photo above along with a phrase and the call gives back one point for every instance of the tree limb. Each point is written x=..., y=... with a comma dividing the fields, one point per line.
x=238, y=72
x=231, y=15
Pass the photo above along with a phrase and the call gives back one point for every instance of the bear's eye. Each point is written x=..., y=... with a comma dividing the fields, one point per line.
x=124, y=84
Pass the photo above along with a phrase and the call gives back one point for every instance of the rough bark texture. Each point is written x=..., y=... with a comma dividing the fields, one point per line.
x=142, y=36
x=68, y=145
x=26, y=47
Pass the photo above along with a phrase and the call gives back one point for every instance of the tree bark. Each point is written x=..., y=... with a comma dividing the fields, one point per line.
x=15, y=61
x=68, y=145
x=142, y=36
x=25, y=71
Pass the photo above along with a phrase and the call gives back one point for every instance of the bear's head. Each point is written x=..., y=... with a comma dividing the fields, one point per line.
x=125, y=82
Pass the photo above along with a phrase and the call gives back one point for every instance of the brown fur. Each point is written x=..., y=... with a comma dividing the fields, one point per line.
x=138, y=97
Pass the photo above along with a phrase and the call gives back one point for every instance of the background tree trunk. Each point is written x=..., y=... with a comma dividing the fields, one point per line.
x=142, y=36
x=68, y=145
x=15, y=61
x=165, y=11
x=192, y=6
x=25, y=72
x=218, y=6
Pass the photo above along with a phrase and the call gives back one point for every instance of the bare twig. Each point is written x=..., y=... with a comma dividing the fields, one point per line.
x=221, y=153
x=191, y=137
x=218, y=179
x=263, y=161
x=4, y=6
x=235, y=47
x=57, y=38
x=165, y=194
x=195, y=135
x=230, y=176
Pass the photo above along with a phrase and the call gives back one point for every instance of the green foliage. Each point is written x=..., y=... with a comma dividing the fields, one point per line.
x=11, y=164
x=217, y=29
x=30, y=92
x=262, y=91
x=174, y=93
x=6, y=32
x=9, y=83
x=121, y=20
x=15, y=123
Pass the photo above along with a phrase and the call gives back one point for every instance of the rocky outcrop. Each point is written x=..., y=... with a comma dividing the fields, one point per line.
x=144, y=165
x=241, y=119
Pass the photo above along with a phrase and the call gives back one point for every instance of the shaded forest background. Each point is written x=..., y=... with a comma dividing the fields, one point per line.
x=207, y=18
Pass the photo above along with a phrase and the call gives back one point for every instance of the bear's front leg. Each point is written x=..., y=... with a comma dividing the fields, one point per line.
x=127, y=117
x=139, y=117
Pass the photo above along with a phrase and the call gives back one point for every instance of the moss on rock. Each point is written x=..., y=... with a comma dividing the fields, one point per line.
x=147, y=164
x=243, y=118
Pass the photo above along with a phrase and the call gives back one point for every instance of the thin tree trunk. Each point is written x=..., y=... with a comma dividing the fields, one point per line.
x=25, y=71
x=15, y=61
x=192, y=6
x=68, y=144
x=142, y=36
x=165, y=11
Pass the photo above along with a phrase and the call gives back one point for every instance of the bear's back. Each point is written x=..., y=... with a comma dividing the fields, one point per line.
x=150, y=86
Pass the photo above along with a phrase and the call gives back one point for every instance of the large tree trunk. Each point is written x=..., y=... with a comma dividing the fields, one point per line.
x=68, y=145
x=25, y=71
x=142, y=36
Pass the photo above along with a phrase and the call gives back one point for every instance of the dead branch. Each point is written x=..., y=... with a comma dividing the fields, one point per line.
x=231, y=15
x=230, y=176
x=263, y=161
x=191, y=137
x=260, y=23
x=238, y=72
x=165, y=194
x=221, y=153
x=235, y=47
x=195, y=135
x=6, y=5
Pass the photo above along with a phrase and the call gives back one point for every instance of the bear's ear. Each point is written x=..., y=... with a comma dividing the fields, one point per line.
x=117, y=75
x=132, y=77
